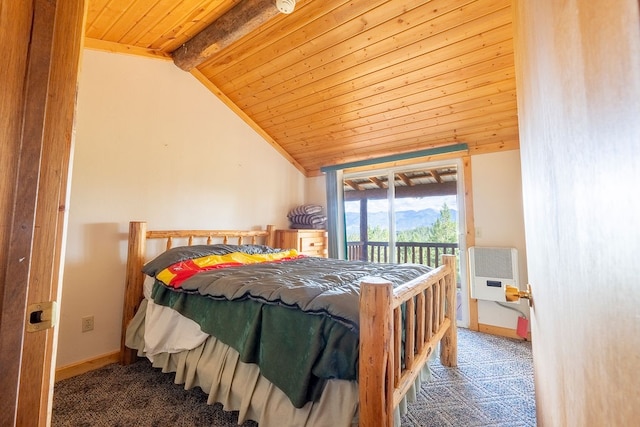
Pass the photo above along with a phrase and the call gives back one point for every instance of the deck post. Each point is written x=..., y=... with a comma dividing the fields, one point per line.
x=449, y=343
x=376, y=359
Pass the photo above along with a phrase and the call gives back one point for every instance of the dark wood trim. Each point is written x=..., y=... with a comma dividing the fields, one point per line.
x=41, y=83
x=21, y=235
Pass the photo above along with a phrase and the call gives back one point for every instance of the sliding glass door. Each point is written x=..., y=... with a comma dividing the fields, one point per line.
x=410, y=214
x=402, y=215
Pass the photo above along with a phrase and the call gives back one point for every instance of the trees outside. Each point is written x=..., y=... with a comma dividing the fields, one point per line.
x=443, y=230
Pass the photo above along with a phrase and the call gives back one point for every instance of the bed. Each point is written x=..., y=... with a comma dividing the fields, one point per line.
x=398, y=327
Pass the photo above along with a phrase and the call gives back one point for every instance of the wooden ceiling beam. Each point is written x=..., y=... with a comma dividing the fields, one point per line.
x=239, y=21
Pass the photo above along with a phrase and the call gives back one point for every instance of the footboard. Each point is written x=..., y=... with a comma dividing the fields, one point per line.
x=389, y=364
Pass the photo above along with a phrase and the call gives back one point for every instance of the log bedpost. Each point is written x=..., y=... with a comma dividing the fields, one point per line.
x=376, y=361
x=270, y=240
x=133, y=292
x=449, y=344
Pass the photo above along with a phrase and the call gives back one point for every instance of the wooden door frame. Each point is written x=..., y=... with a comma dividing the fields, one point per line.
x=470, y=238
x=42, y=62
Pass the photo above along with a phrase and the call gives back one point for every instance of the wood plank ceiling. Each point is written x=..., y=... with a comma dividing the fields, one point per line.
x=339, y=81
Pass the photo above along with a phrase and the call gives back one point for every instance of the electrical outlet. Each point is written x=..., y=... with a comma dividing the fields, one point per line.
x=87, y=323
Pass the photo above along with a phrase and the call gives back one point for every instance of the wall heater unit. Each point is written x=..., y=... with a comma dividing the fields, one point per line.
x=491, y=269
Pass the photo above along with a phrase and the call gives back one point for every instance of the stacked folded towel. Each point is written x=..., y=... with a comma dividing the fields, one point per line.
x=307, y=216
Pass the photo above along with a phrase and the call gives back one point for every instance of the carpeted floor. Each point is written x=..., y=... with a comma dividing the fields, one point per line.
x=492, y=386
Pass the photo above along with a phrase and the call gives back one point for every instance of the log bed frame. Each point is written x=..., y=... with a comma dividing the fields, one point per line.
x=383, y=377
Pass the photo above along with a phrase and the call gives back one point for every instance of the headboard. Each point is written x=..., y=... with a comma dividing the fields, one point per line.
x=137, y=253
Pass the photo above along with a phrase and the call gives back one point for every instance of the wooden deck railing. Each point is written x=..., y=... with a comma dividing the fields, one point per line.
x=414, y=252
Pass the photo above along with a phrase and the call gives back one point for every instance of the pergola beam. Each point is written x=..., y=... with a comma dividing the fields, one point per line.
x=436, y=175
x=377, y=181
x=405, y=179
x=239, y=21
x=353, y=184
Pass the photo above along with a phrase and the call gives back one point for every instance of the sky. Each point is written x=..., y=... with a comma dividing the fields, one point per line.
x=405, y=204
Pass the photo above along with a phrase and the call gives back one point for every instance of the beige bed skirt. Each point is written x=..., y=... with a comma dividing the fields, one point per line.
x=217, y=370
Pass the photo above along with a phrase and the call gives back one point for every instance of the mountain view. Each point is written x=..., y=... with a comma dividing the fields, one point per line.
x=405, y=220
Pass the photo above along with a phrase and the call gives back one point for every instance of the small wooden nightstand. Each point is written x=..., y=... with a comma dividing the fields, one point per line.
x=307, y=242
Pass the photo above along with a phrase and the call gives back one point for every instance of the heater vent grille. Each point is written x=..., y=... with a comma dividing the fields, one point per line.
x=491, y=270
x=494, y=262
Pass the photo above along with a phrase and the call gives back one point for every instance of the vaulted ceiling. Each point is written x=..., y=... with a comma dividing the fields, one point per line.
x=340, y=81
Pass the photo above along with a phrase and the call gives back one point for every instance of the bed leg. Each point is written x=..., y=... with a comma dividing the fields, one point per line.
x=376, y=357
x=449, y=342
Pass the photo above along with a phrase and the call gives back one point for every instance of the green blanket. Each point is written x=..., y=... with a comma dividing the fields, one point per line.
x=269, y=336
x=297, y=320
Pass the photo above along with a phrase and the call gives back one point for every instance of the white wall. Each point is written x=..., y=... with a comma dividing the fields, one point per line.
x=316, y=191
x=499, y=222
x=153, y=144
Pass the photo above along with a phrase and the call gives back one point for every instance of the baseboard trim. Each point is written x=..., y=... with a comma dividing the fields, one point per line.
x=85, y=366
x=502, y=332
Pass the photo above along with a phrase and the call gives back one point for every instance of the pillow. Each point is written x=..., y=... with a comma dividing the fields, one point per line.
x=305, y=210
x=183, y=253
x=308, y=219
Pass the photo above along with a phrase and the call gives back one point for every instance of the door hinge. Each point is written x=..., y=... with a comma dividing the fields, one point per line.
x=41, y=316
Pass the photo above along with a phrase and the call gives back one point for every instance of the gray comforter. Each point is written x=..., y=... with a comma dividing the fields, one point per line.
x=263, y=311
x=314, y=285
